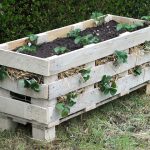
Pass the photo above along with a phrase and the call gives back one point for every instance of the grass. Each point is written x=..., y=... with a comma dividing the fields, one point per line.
x=123, y=124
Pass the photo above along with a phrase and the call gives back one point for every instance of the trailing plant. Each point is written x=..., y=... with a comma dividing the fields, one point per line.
x=60, y=50
x=146, y=18
x=32, y=84
x=98, y=18
x=137, y=70
x=120, y=57
x=85, y=73
x=30, y=47
x=74, y=33
x=85, y=40
x=128, y=27
x=107, y=85
x=64, y=107
x=3, y=73
x=147, y=46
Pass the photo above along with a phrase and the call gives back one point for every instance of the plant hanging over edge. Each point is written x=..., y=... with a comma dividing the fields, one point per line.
x=64, y=107
x=85, y=73
x=107, y=85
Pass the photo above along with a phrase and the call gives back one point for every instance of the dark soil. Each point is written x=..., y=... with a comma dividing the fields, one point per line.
x=104, y=32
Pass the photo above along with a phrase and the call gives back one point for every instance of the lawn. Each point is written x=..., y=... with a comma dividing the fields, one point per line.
x=123, y=124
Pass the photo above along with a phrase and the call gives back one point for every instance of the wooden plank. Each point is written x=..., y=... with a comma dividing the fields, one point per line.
x=17, y=87
x=97, y=51
x=24, y=62
x=66, y=85
x=24, y=110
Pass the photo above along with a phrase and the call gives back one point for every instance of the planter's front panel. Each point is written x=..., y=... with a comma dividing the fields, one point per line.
x=91, y=99
x=72, y=83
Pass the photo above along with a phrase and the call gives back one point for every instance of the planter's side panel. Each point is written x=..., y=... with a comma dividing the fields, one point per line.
x=66, y=85
x=17, y=87
x=92, y=99
x=23, y=110
x=24, y=62
x=97, y=51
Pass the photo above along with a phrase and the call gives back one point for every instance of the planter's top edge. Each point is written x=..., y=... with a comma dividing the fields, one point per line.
x=53, y=57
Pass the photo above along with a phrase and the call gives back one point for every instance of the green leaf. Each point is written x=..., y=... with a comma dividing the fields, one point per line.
x=27, y=49
x=3, y=73
x=60, y=50
x=137, y=70
x=113, y=91
x=33, y=38
x=74, y=33
x=146, y=18
x=120, y=57
x=65, y=112
x=85, y=73
x=60, y=106
x=85, y=40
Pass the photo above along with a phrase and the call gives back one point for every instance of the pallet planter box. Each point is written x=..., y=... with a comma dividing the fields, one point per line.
x=40, y=107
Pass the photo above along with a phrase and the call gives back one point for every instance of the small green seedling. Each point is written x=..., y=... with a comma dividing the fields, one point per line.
x=107, y=85
x=30, y=47
x=3, y=73
x=137, y=70
x=64, y=107
x=98, y=18
x=147, y=18
x=33, y=39
x=128, y=27
x=147, y=46
x=120, y=57
x=85, y=74
x=85, y=40
x=60, y=50
x=74, y=33
x=33, y=84
x=27, y=49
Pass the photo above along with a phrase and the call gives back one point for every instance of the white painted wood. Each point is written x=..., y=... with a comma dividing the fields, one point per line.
x=4, y=93
x=97, y=51
x=24, y=110
x=7, y=123
x=88, y=100
x=66, y=85
x=47, y=134
x=148, y=89
x=17, y=87
x=24, y=62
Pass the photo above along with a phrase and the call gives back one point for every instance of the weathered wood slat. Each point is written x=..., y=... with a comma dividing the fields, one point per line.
x=24, y=110
x=94, y=97
x=66, y=85
x=24, y=62
x=17, y=87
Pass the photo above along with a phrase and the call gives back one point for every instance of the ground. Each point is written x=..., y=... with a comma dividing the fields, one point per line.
x=123, y=124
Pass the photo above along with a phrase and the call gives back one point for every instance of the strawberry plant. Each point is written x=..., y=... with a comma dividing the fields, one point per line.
x=32, y=84
x=60, y=50
x=107, y=85
x=137, y=70
x=147, y=46
x=85, y=40
x=30, y=47
x=64, y=107
x=128, y=27
x=27, y=49
x=98, y=18
x=3, y=73
x=120, y=57
x=74, y=33
x=85, y=74
x=146, y=18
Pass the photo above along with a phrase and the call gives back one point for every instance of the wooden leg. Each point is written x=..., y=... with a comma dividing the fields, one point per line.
x=148, y=89
x=7, y=123
x=42, y=133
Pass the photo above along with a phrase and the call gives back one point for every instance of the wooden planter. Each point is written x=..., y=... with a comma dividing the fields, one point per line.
x=40, y=110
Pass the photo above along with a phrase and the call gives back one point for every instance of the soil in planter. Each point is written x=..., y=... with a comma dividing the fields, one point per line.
x=104, y=32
